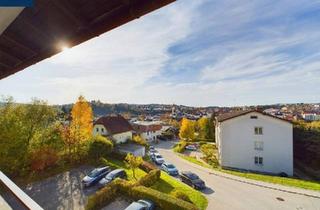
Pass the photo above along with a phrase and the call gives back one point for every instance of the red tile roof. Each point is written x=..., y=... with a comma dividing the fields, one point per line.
x=230, y=115
x=114, y=124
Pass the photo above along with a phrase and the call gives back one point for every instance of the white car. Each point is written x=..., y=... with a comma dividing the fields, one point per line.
x=158, y=159
x=191, y=147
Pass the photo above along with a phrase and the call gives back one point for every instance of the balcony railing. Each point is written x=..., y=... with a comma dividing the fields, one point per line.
x=21, y=198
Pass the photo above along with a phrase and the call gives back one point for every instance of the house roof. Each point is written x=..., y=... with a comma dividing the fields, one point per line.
x=114, y=124
x=41, y=31
x=231, y=115
x=145, y=128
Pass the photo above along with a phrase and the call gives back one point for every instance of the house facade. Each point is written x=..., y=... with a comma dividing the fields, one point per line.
x=117, y=128
x=148, y=130
x=255, y=141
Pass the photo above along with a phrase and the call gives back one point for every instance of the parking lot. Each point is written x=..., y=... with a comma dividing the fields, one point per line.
x=64, y=191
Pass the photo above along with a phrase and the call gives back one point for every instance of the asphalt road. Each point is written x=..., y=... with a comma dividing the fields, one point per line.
x=225, y=193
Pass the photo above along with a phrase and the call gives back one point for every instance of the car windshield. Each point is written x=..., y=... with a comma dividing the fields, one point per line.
x=158, y=156
x=170, y=166
x=94, y=173
x=193, y=176
x=110, y=176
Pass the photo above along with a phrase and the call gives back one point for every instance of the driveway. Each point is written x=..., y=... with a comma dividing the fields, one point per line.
x=231, y=192
x=64, y=192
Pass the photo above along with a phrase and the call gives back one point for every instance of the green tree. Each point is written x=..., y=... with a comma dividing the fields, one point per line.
x=187, y=130
x=133, y=163
x=24, y=127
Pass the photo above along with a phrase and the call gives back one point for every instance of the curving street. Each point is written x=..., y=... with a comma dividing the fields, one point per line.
x=230, y=192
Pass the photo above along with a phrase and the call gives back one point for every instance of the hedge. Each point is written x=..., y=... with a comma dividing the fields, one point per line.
x=151, y=178
x=147, y=167
x=104, y=196
x=181, y=195
x=162, y=200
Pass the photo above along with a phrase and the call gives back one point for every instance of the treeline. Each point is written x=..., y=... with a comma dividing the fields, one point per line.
x=306, y=139
x=33, y=137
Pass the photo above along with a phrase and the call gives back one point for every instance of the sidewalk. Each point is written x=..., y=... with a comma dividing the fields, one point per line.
x=278, y=187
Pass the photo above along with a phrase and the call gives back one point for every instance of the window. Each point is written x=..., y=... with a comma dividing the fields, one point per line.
x=258, y=160
x=97, y=129
x=258, y=131
x=102, y=130
x=253, y=117
x=258, y=145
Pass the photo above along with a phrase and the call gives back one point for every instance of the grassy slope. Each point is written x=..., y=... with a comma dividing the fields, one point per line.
x=266, y=178
x=168, y=184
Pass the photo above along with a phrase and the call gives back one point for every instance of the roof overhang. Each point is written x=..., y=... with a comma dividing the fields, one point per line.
x=39, y=32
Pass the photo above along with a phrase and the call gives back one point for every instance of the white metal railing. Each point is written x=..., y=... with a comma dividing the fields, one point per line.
x=19, y=194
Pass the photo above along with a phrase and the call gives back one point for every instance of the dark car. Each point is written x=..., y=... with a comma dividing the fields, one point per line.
x=141, y=205
x=118, y=173
x=192, y=180
x=95, y=175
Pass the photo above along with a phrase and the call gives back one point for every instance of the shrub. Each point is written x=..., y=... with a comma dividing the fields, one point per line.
x=147, y=167
x=151, y=178
x=208, y=151
x=139, y=140
x=181, y=195
x=180, y=147
x=100, y=147
x=104, y=196
x=43, y=158
x=162, y=200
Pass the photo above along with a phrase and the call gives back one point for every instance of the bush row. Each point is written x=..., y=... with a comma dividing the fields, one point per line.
x=151, y=178
x=104, y=196
x=181, y=195
x=162, y=200
x=147, y=167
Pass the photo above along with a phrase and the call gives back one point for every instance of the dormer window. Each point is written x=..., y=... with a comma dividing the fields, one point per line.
x=253, y=117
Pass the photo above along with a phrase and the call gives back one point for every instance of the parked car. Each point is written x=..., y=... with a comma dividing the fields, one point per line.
x=117, y=173
x=192, y=180
x=191, y=147
x=95, y=175
x=151, y=147
x=151, y=152
x=170, y=169
x=158, y=159
x=141, y=205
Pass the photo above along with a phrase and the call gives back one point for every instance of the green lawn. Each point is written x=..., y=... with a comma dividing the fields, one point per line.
x=120, y=164
x=310, y=185
x=168, y=184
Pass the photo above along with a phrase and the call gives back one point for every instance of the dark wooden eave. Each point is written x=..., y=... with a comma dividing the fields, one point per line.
x=38, y=32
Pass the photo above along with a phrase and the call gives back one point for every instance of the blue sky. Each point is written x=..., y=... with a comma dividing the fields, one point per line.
x=199, y=53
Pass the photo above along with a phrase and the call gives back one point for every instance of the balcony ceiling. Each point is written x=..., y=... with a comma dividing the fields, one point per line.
x=39, y=32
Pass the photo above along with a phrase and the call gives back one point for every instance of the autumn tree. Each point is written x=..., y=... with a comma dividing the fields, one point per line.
x=133, y=163
x=82, y=117
x=139, y=140
x=205, y=127
x=187, y=129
